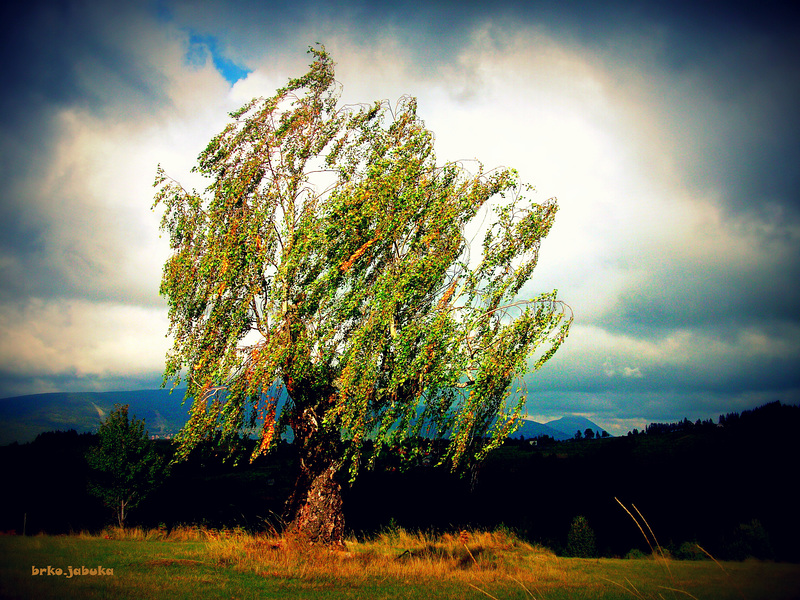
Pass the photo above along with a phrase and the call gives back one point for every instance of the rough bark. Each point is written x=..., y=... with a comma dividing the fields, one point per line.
x=318, y=515
x=314, y=510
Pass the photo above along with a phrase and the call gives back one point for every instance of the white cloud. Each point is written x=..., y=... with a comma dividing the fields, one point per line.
x=55, y=337
x=692, y=359
x=634, y=372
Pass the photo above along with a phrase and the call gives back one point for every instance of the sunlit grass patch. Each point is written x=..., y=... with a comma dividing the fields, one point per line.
x=398, y=553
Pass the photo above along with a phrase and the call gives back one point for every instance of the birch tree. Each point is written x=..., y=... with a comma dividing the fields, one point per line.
x=324, y=282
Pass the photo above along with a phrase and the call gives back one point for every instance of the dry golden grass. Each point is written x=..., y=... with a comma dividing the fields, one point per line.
x=398, y=555
x=182, y=533
x=184, y=562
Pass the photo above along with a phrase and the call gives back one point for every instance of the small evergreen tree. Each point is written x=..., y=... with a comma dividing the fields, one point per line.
x=125, y=465
x=580, y=540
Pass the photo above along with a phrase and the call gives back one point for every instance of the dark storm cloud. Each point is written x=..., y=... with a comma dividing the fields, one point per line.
x=723, y=293
x=749, y=133
x=68, y=54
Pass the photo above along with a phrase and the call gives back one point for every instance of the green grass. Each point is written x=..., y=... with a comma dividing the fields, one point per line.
x=195, y=564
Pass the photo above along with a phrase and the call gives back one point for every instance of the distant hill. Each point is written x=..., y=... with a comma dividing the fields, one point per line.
x=531, y=429
x=571, y=424
x=558, y=429
x=22, y=418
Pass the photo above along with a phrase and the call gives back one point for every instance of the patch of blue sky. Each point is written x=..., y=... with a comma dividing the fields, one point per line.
x=201, y=46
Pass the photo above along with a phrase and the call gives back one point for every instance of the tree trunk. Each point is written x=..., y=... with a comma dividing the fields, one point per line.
x=121, y=514
x=314, y=510
x=317, y=508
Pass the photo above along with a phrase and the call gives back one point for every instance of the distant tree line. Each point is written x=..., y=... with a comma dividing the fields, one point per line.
x=590, y=434
x=680, y=426
x=752, y=418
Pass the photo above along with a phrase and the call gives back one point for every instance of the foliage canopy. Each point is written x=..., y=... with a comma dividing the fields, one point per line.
x=327, y=266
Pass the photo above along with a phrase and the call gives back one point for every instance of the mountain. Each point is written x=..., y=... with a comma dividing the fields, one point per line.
x=569, y=425
x=558, y=429
x=22, y=418
x=532, y=429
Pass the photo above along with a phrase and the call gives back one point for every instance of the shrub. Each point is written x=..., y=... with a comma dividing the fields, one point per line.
x=690, y=551
x=749, y=540
x=581, y=541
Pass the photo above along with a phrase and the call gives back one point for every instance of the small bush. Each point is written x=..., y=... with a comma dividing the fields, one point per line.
x=581, y=541
x=635, y=554
x=690, y=551
x=749, y=540
x=392, y=530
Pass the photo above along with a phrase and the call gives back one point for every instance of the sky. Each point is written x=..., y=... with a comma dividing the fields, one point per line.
x=669, y=132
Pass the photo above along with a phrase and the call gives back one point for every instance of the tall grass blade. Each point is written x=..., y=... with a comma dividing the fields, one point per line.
x=660, y=550
x=663, y=587
x=474, y=587
x=644, y=535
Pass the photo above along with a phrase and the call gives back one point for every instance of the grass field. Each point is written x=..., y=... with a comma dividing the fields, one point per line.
x=193, y=564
